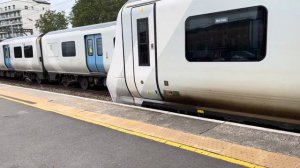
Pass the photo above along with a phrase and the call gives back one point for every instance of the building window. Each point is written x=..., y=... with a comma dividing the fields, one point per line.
x=18, y=52
x=99, y=47
x=5, y=8
x=26, y=7
x=43, y=8
x=8, y=7
x=229, y=36
x=68, y=49
x=28, y=51
x=32, y=7
x=14, y=6
x=143, y=42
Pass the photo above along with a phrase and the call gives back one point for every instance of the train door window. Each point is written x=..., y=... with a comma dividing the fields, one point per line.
x=143, y=42
x=18, y=52
x=90, y=47
x=28, y=52
x=6, y=51
x=99, y=47
x=68, y=49
x=230, y=36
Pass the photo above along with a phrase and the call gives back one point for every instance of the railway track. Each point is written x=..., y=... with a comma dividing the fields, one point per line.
x=99, y=93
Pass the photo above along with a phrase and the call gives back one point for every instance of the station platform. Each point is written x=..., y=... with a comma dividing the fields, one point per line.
x=57, y=130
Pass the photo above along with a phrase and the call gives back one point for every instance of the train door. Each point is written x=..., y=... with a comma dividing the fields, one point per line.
x=94, y=53
x=99, y=52
x=144, y=54
x=7, y=60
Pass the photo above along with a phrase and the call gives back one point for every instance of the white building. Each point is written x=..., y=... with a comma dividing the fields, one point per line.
x=18, y=15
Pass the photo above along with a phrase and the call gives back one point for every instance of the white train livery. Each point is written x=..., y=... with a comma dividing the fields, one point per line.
x=236, y=57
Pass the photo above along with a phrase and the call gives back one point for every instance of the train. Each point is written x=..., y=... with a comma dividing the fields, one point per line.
x=77, y=55
x=235, y=58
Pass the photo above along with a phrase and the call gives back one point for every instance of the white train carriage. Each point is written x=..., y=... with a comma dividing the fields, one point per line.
x=3, y=68
x=22, y=57
x=235, y=57
x=80, y=54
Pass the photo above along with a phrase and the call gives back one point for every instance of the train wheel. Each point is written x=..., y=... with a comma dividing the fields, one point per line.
x=84, y=83
x=65, y=82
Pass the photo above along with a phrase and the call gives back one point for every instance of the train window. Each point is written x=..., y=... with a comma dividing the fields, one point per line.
x=28, y=52
x=18, y=52
x=6, y=51
x=68, y=49
x=90, y=47
x=99, y=47
x=230, y=36
x=143, y=42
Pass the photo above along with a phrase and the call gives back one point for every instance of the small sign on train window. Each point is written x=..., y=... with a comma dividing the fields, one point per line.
x=221, y=20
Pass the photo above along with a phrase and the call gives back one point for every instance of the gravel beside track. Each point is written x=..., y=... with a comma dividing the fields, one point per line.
x=99, y=93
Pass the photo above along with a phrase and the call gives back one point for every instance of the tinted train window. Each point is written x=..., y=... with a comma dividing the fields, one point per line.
x=6, y=51
x=18, y=52
x=68, y=49
x=99, y=47
x=28, y=52
x=90, y=47
x=143, y=42
x=230, y=36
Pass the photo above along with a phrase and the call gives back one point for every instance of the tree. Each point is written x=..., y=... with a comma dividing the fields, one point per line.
x=87, y=12
x=52, y=21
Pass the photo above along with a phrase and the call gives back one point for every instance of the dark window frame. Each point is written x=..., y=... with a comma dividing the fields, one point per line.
x=261, y=11
x=26, y=54
x=145, y=61
x=19, y=53
x=101, y=49
x=68, y=53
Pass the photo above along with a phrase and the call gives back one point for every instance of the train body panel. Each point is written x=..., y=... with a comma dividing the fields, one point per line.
x=2, y=61
x=24, y=54
x=189, y=69
x=66, y=51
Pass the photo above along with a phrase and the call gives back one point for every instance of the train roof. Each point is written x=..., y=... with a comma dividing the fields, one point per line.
x=21, y=38
x=84, y=28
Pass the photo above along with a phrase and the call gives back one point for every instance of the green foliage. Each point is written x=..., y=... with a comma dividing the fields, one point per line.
x=52, y=21
x=87, y=12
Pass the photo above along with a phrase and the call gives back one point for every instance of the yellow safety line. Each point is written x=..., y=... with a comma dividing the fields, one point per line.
x=156, y=139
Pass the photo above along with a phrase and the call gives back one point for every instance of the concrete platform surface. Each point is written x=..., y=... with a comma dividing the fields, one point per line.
x=235, y=143
x=31, y=137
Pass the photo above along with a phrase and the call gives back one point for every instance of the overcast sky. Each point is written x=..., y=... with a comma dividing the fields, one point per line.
x=62, y=5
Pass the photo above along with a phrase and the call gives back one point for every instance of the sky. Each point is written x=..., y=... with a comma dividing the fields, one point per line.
x=62, y=5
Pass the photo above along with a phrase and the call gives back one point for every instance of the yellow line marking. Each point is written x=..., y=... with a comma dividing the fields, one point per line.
x=173, y=144
x=141, y=135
